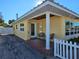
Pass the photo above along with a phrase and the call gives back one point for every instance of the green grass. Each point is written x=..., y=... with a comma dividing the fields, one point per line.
x=74, y=40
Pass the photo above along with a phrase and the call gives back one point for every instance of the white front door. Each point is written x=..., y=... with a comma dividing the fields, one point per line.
x=33, y=30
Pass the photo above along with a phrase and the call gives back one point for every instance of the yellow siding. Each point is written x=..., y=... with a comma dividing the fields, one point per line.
x=21, y=34
x=71, y=19
x=57, y=26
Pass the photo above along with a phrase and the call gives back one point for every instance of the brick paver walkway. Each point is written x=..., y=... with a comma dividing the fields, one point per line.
x=12, y=47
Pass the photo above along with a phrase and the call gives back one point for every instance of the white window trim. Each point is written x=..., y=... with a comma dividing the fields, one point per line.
x=34, y=30
x=20, y=28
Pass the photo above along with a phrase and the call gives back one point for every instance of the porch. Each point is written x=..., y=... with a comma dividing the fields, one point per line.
x=40, y=45
x=46, y=26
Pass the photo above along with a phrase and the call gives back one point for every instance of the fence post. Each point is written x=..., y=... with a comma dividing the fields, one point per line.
x=66, y=49
x=70, y=50
x=55, y=47
x=75, y=50
x=60, y=49
x=63, y=50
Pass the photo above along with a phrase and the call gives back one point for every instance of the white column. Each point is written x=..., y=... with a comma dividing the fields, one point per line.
x=47, y=30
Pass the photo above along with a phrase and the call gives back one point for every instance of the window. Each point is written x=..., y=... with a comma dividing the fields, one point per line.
x=72, y=26
x=21, y=27
x=16, y=27
x=68, y=24
x=69, y=27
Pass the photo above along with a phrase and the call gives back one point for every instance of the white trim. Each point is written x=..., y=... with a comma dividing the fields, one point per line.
x=45, y=13
x=38, y=7
x=35, y=29
x=55, y=14
x=50, y=3
x=55, y=5
x=47, y=30
x=37, y=15
x=21, y=27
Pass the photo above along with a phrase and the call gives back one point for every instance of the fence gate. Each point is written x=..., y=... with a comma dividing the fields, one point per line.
x=66, y=50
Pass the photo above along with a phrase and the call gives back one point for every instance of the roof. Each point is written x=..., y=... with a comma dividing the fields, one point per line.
x=49, y=3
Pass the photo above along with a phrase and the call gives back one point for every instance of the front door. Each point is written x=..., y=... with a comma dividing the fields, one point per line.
x=33, y=30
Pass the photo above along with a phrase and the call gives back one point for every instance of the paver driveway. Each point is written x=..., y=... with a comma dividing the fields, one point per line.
x=13, y=48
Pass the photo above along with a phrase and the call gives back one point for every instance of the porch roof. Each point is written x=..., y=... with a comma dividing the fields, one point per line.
x=47, y=6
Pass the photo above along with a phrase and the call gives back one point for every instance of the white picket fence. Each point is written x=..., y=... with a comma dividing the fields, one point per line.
x=66, y=50
x=6, y=31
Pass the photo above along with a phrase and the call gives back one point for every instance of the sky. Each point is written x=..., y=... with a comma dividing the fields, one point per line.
x=9, y=8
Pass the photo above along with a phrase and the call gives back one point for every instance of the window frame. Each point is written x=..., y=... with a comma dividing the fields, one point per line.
x=21, y=27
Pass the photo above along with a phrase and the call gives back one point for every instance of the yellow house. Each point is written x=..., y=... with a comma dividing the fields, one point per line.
x=48, y=17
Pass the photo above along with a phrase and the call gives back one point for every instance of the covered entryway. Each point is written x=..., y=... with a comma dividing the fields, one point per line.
x=42, y=27
x=33, y=29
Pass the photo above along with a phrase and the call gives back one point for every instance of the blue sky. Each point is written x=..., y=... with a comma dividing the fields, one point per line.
x=9, y=8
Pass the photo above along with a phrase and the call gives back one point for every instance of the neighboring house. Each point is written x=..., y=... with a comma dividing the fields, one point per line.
x=48, y=17
x=1, y=27
x=6, y=30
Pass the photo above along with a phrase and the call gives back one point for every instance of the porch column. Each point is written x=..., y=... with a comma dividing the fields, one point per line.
x=47, y=30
